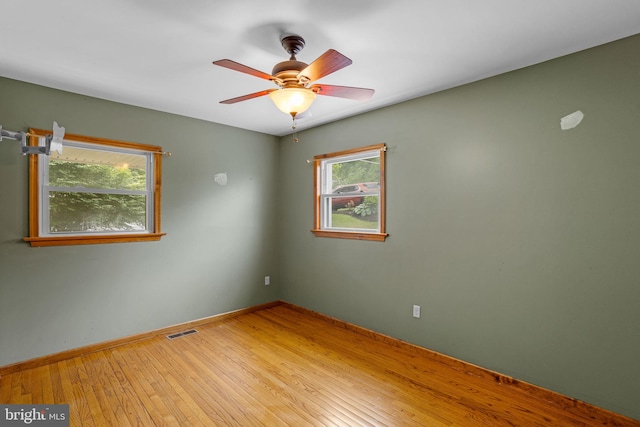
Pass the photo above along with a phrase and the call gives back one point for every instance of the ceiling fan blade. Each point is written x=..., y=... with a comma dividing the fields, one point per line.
x=357, y=93
x=233, y=65
x=327, y=63
x=247, y=97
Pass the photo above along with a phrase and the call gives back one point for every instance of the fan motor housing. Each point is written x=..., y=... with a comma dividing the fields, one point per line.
x=287, y=72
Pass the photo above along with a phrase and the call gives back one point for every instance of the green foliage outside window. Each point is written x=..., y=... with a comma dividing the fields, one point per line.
x=69, y=174
x=368, y=207
x=75, y=211
x=362, y=170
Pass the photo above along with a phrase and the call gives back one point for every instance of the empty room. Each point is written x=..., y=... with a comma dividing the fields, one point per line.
x=436, y=224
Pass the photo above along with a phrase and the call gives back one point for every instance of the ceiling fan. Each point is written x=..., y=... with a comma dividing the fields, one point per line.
x=296, y=93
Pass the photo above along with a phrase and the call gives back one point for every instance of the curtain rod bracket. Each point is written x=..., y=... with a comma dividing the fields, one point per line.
x=51, y=142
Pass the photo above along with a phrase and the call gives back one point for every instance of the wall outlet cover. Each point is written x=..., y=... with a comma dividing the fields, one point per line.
x=416, y=311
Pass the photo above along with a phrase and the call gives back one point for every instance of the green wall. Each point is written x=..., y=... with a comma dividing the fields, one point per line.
x=520, y=241
x=219, y=245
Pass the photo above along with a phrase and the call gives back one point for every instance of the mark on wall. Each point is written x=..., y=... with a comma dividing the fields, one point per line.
x=220, y=178
x=571, y=120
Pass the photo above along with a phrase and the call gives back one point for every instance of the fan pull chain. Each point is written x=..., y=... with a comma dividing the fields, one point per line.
x=295, y=132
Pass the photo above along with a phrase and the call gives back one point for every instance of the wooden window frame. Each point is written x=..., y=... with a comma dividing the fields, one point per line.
x=35, y=238
x=317, y=230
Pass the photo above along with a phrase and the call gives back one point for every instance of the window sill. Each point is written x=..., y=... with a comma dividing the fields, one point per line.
x=376, y=237
x=92, y=240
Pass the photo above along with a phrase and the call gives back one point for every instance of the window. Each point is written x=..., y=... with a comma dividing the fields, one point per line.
x=96, y=191
x=350, y=194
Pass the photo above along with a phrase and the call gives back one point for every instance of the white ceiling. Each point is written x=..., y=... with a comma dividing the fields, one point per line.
x=157, y=54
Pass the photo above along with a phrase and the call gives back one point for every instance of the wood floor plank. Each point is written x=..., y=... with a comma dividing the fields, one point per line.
x=15, y=395
x=41, y=385
x=85, y=381
x=435, y=380
x=142, y=376
x=284, y=366
x=75, y=391
x=5, y=388
x=56, y=384
x=104, y=389
x=26, y=385
x=177, y=355
x=128, y=398
x=203, y=402
x=362, y=367
x=307, y=371
x=239, y=402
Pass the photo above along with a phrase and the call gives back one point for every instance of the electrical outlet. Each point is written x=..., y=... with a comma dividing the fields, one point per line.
x=416, y=311
x=267, y=280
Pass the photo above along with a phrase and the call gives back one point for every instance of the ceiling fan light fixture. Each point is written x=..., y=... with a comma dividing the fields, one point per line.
x=293, y=101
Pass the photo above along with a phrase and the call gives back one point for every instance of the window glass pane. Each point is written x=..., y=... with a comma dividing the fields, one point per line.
x=345, y=174
x=349, y=194
x=356, y=181
x=355, y=213
x=100, y=169
x=346, y=202
x=72, y=212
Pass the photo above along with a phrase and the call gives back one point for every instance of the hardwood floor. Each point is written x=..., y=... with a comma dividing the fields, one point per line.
x=286, y=366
